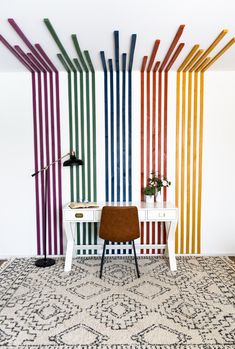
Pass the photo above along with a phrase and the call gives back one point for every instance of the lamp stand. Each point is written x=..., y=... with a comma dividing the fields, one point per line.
x=73, y=161
x=45, y=262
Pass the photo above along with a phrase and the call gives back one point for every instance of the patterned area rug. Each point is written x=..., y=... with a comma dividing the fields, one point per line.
x=187, y=309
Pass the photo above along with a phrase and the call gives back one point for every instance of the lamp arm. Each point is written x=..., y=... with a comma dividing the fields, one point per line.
x=52, y=163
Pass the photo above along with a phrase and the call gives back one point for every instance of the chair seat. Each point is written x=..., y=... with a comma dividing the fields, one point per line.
x=119, y=224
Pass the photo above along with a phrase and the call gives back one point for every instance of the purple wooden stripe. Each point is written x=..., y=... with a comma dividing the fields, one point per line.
x=36, y=160
x=58, y=144
x=46, y=58
x=49, y=230
x=29, y=67
x=41, y=146
x=43, y=54
x=15, y=53
x=59, y=167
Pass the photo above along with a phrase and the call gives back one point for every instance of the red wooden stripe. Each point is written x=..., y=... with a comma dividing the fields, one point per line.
x=153, y=55
x=171, y=48
x=159, y=142
x=142, y=183
x=174, y=57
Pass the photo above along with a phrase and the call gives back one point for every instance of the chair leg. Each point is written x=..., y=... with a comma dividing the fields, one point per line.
x=102, y=259
x=136, y=263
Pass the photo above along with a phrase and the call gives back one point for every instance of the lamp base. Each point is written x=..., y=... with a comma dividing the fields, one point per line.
x=44, y=262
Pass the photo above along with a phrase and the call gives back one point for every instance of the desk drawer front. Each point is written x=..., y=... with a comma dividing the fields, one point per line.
x=161, y=215
x=79, y=216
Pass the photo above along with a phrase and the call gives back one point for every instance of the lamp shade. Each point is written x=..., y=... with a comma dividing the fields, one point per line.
x=73, y=161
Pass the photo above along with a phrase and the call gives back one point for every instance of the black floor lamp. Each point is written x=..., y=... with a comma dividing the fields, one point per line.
x=73, y=161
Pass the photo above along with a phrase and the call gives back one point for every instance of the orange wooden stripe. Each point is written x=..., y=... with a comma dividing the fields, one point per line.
x=211, y=47
x=155, y=68
x=195, y=118
x=203, y=64
x=188, y=57
x=189, y=118
x=165, y=130
x=153, y=55
x=174, y=57
x=148, y=126
x=200, y=161
x=159, y=159
x=172, y=47
x=182, y=239
x=193, y=60
x=177, y=156
x=220, y=53
x=142, y=181
x=154, y=137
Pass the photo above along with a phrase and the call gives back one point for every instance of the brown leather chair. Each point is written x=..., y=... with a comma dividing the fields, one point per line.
x=119, y=224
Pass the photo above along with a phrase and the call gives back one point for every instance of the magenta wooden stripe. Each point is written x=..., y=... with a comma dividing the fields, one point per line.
x=41, y=145
x=15, y=53
x=59, y=169
x=49, y=68
x=46, y=117
x=29, y=67
x=36, y=159
x=41, y=58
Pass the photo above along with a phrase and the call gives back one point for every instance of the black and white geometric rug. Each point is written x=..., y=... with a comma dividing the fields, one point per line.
x=192, y=308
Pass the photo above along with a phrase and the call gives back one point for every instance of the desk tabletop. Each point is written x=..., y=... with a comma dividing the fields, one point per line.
x=139, y=204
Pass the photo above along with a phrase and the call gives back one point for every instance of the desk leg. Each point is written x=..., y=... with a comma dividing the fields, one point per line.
x=69, y=230
x=171, y=245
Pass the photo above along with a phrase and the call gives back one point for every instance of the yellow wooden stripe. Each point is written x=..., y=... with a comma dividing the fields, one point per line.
x=182, y=214
x=195, y=110
x=210, y=48
x=219, y=54
x=187, y=59
x=188, y=209
x=177, y=155
x=190, y=64
x=203, y=64
x=200, y=161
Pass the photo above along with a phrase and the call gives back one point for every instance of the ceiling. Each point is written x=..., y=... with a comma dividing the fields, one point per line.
x=95, y=21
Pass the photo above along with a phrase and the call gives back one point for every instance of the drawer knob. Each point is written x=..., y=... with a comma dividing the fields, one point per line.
x=162, y=214
x=79, y=215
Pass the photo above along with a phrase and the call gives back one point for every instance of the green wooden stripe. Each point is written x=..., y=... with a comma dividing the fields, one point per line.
x=58, y=42
x=81, y=86
x=79, y=52
x=70, y=121
x=91, y=67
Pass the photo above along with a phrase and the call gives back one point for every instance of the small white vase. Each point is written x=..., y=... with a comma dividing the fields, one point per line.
x=149, y=199
x=159, y=197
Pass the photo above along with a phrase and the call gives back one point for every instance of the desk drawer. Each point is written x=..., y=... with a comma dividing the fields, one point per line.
x=79, y=216
x=161, y=215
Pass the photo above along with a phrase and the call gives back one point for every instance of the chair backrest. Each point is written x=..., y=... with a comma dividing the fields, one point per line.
x=119, y=223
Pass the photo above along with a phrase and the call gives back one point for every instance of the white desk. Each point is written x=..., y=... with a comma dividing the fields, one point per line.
x=157, y=212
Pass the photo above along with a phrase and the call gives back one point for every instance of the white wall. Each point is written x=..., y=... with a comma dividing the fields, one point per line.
x=17, y=201
x=218, y=192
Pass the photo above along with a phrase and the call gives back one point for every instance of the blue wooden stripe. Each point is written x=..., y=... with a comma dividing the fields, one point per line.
x=124, y=125
x=106, y=121
x=116, y=45
x=133, y=42
x=111, y=126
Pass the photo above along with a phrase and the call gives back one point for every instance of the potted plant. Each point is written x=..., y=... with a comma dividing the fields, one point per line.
x=149, y=192
x=154, y=185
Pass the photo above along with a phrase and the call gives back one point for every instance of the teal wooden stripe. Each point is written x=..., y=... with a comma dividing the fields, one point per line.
x=79, y=52
x=58, y=42
x=81, y=88
x=91, y=67
x=70, y=121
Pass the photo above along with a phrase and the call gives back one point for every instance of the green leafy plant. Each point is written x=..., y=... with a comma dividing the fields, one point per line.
x=155, y=183
x=149, y=190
